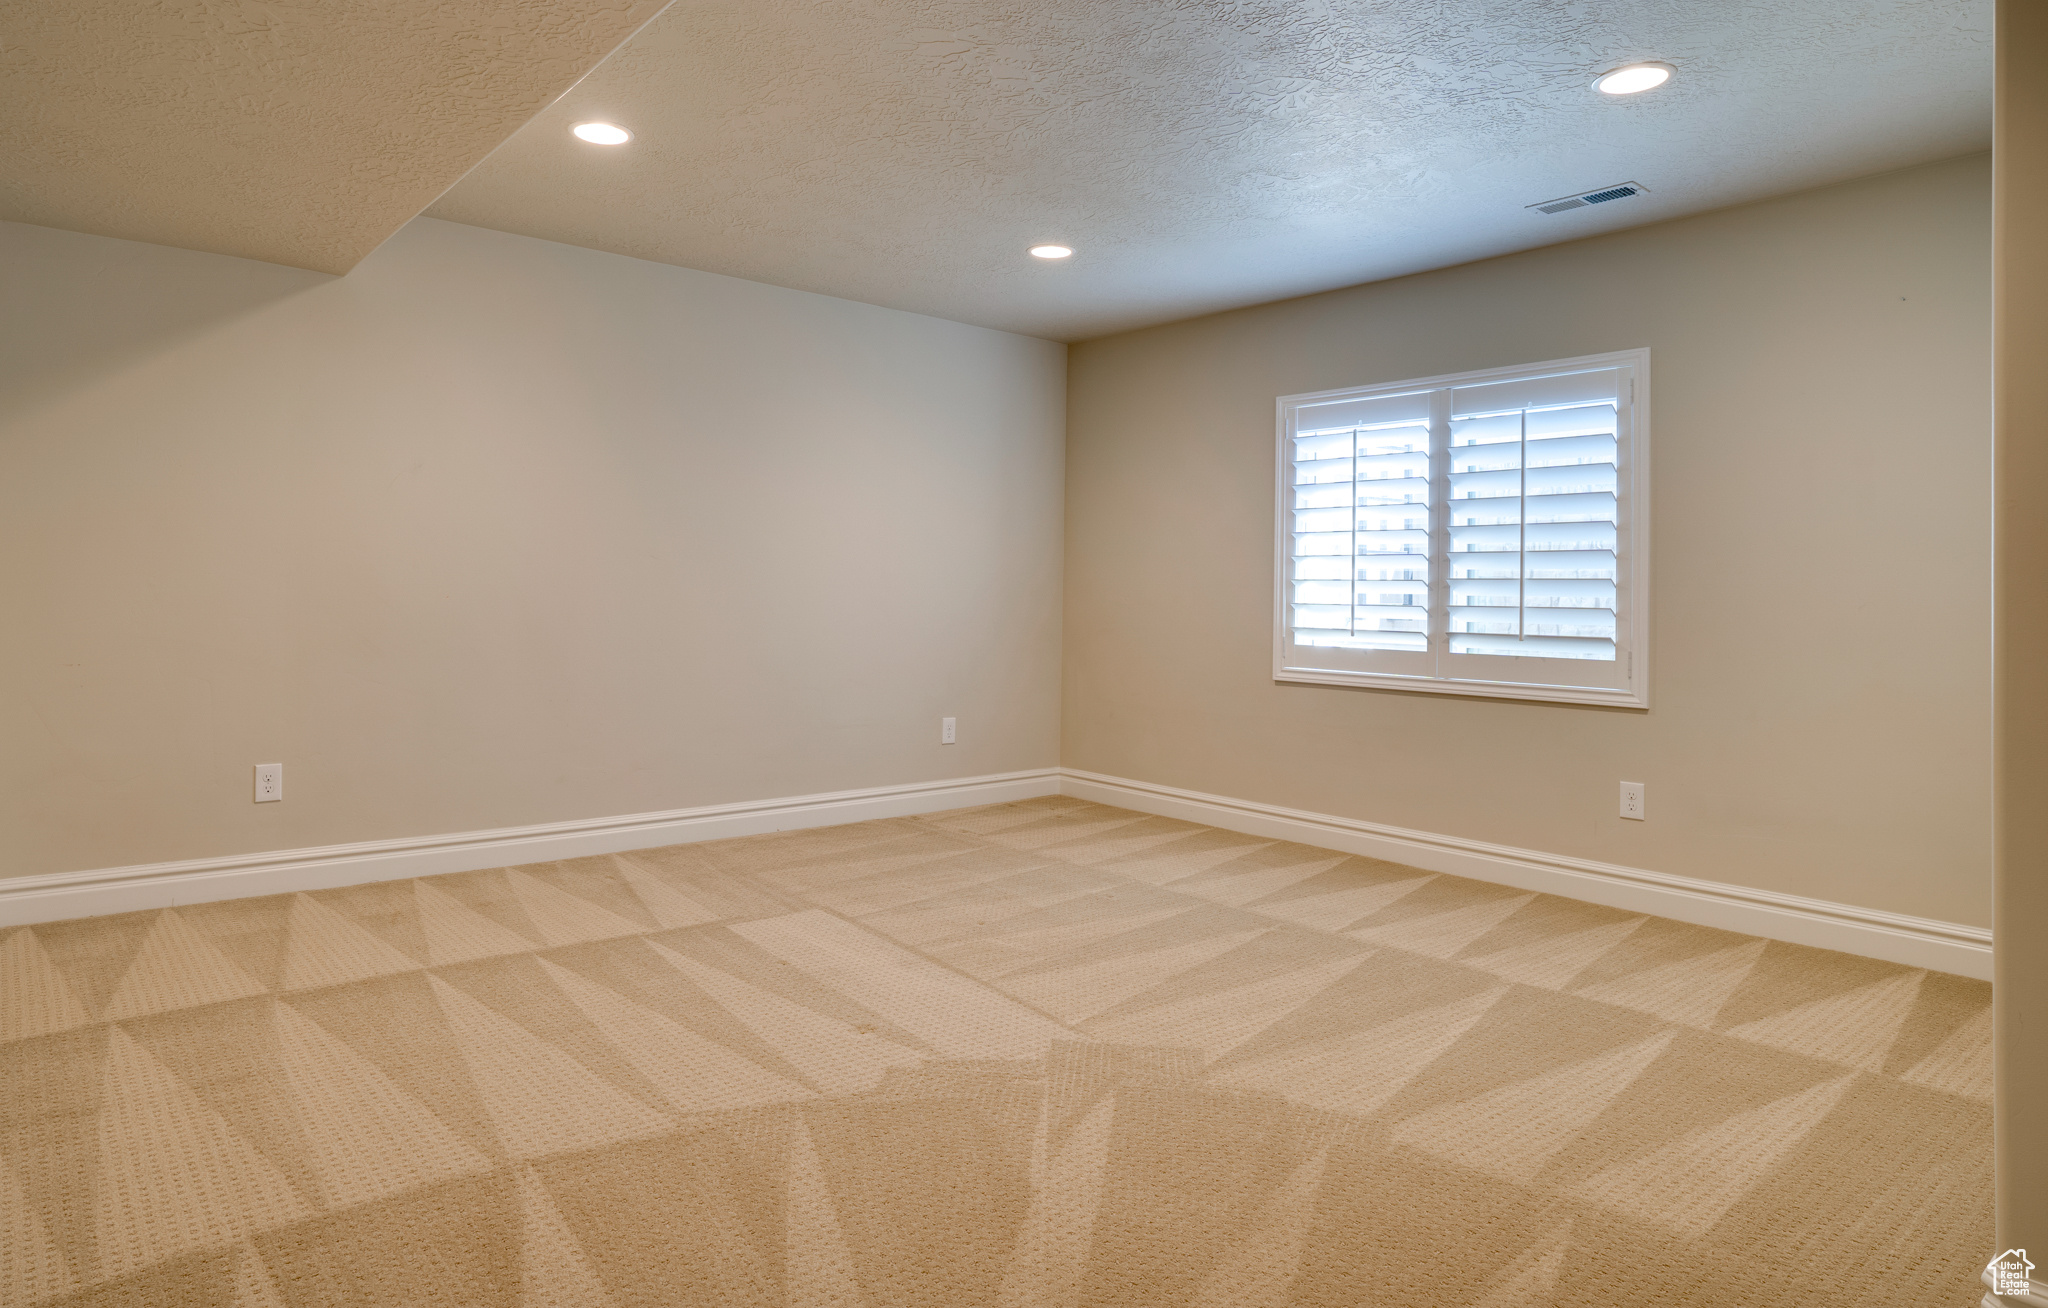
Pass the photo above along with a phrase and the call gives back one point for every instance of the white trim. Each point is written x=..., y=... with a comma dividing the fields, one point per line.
x=1894, y=937
x=61, y=895
x=1914, y=941
x=1523, y=690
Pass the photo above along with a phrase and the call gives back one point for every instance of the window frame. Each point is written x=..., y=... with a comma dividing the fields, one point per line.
x=1632, y=552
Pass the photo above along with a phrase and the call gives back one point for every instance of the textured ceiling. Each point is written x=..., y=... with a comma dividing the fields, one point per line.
x=301, y=132
x=1205, y=153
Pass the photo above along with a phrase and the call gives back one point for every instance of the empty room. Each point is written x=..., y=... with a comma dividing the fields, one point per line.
x=1221, y=655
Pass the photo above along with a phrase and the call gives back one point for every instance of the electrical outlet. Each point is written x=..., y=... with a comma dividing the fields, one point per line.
x=945, y=731
x=1632, y=800
x=269, y=782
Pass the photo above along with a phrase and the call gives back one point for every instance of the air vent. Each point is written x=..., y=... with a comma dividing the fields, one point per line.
x=1584, y=198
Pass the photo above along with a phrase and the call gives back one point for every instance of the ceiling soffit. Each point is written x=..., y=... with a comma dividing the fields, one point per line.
x=301, y=132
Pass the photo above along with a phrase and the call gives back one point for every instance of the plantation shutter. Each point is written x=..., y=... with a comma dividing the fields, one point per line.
x=1362, y=473
x=1477, y=532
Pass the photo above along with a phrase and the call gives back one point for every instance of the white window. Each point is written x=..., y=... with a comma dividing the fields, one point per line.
x=1514, y=504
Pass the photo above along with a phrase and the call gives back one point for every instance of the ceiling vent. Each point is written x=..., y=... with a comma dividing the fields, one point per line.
x=1584, y=198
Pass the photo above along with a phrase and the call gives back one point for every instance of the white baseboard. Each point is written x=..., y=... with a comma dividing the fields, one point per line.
x=63, y=895
x=1916, y=942
x=1913, y=941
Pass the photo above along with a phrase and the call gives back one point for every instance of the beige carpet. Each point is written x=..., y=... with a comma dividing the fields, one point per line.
x=1039, y=1054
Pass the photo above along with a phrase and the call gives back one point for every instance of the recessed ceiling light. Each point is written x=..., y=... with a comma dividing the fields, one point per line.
x=1631, y=78
x=1050, y=251
x=602, y=133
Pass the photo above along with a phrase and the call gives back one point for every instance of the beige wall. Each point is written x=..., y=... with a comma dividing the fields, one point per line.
x=1821, y=696
x=491, y=532
x=2020, y=987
